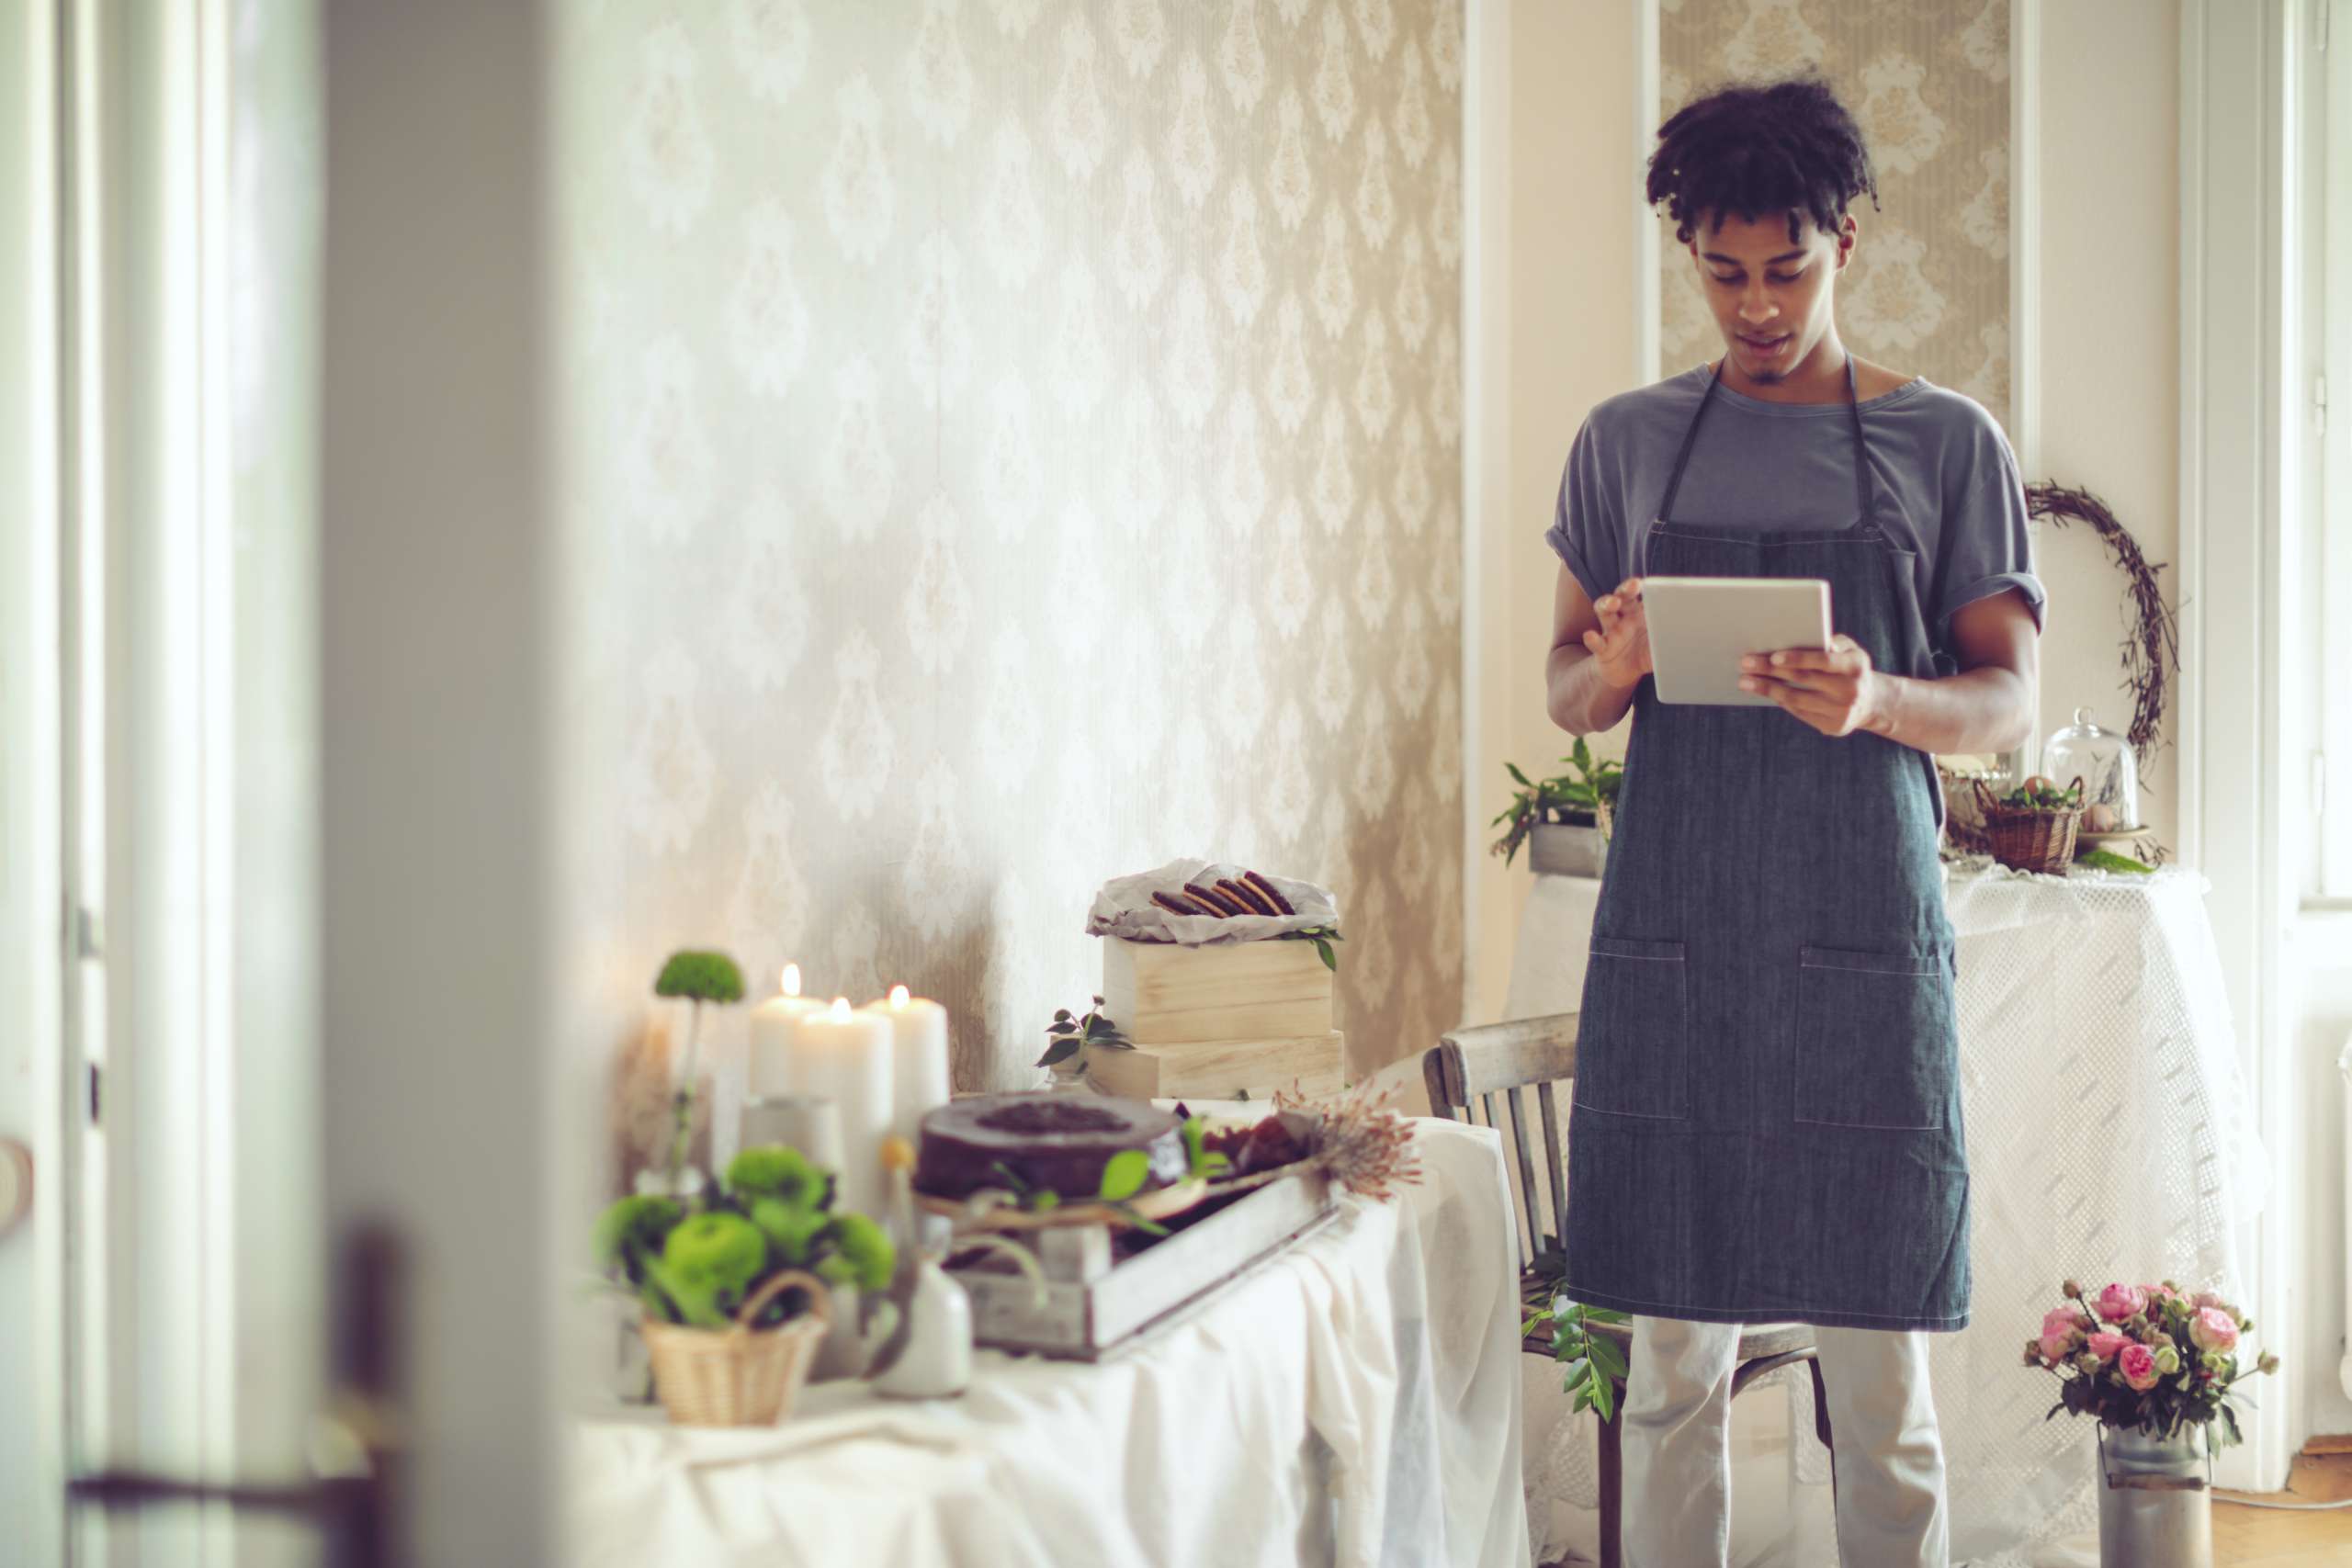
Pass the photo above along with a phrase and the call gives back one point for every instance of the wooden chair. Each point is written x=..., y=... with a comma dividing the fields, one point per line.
x=1465, y=1073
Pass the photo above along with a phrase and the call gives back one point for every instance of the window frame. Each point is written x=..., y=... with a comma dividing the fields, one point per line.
x=2325, y=458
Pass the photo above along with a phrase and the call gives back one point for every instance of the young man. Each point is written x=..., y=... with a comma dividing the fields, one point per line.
x=1766, y=1124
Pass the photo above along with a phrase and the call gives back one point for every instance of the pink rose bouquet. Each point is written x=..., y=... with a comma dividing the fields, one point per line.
x=2147, y=1356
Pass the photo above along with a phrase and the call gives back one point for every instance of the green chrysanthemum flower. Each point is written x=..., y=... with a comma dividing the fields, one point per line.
x=704, y=977
x=791, y=1229
x=862, y=1254
x=776, y=1171
x=708, y=1261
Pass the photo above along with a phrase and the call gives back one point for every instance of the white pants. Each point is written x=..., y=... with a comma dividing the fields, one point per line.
x=1888, y=1456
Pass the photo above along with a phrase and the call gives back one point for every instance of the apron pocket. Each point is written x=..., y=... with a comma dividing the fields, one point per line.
x=1633, y=1039
x=1876, y=1039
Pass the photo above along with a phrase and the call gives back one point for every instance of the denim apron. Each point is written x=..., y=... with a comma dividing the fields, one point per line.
x=1766, y=1121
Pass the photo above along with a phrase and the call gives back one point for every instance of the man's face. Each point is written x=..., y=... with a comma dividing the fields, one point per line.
x=1772, y=300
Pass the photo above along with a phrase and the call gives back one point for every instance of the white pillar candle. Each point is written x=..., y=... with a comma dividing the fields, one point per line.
x=771, y=1066
x=844, y=1056
x=918, y=1057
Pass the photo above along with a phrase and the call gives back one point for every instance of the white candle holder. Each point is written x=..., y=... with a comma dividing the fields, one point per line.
x=808, y=1122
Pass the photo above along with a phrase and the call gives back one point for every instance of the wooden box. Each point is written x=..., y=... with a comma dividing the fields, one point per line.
x=1220, y=1069
x=1163, y=993
x=1095, y=1309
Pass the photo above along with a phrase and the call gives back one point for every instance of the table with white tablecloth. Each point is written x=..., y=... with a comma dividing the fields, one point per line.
x=2108, y=1137
x=1353, y=1400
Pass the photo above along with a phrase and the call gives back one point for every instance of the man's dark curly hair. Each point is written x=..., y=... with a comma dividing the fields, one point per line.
x=1749, y=150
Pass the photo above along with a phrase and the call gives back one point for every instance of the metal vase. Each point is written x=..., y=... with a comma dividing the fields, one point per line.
x=1567, y=849
x=2155, y=1500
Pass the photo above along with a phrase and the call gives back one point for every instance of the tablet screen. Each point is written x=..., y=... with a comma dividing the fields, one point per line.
x=1701, y=627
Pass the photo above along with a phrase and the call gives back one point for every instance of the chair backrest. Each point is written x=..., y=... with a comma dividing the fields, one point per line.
x=1467, y=1069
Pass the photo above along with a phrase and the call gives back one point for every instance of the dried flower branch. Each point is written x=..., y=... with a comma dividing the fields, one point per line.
x=1360, y=1142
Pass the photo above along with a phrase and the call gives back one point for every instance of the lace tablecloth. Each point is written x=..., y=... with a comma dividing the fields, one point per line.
x=1355, y=1401
x=2108, y=1137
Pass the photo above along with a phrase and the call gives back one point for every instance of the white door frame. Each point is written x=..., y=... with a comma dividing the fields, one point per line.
x=32, y=1257
x=2238, y=212
x=444, y=811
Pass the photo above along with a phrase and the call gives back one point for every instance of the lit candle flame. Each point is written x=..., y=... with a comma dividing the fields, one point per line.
x=792, y=979
x=839, y=1011
x=898, y=996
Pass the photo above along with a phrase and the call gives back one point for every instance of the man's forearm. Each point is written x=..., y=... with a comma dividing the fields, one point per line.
x=1580, y=699
x=1986, y=709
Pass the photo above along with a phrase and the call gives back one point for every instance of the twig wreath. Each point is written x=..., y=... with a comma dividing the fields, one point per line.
x=2152, y=650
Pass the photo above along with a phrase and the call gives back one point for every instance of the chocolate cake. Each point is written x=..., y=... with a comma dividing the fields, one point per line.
x=1059, y=1142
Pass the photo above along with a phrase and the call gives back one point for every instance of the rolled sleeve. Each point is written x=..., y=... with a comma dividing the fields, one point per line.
x=1989, y=545
x=1588, y=525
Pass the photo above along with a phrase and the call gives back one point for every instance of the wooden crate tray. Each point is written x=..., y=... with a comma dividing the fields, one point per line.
x=1096, y=1309
x=1221, y=1070
x=1165, y=993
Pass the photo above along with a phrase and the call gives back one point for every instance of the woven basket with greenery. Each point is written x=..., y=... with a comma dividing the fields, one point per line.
x=2033, y=836
x=739, y=1376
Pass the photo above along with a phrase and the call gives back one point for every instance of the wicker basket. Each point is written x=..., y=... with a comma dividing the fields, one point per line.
x=739, y=1376
x=2030, y=838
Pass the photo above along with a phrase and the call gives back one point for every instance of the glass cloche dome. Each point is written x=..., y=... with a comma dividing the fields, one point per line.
x=2110, y=774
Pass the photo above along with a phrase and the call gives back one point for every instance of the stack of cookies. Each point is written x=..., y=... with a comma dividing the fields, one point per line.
x=1249, y=893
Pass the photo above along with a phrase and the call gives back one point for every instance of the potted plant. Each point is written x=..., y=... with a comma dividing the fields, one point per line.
x=1068, y=1039
x=699, y=978
x=1565, y=820
x=735, y=1288
x=2157, y=1367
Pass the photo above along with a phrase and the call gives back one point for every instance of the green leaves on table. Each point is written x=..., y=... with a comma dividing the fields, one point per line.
x=2107, y=859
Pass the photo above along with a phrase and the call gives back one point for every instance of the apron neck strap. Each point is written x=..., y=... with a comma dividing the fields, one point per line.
x=1861, y=451
x=1691, y=437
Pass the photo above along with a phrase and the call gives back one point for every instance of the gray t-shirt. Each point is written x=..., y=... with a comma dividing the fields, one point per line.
x=1947, y=483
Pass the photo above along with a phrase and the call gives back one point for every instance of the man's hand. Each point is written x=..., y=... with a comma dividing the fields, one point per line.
x=1835, y=689
x=1621, y=646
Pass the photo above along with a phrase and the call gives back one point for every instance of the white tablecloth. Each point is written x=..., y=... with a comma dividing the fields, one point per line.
x=2108, y=1137
x=1355, y=1400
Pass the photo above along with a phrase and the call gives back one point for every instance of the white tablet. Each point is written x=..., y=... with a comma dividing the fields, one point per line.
x=1701, y=627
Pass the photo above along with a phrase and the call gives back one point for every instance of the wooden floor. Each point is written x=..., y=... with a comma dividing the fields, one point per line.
x=2270, y=1537
x=2263, y=1537
x=2266, y=1538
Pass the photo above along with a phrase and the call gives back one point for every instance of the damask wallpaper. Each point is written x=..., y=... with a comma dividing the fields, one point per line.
x=1927, y=291
x=1017, y=441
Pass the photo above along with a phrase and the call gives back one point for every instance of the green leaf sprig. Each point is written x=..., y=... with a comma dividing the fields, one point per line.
x=1322, y=937
x=1589, y=1363
x=1203, y=1162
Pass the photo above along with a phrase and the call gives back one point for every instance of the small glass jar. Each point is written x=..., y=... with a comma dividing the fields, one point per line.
x=2103, y=760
